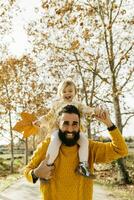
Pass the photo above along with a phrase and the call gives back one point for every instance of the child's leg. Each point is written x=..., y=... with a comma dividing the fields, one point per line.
x=84, y=148
x=83, y=167
x=53, y=148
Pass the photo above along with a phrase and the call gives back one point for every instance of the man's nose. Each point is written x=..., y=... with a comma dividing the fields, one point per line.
x=70, y=128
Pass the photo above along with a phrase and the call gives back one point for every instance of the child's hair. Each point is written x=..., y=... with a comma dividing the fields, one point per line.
x=64, y=84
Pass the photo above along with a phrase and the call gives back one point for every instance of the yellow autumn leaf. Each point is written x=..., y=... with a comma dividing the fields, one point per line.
x=73, y=20
x=86, y=34
x=74, y=45
x=25, y=126
x=19, y=126
x=30, y=130
x=28, y=117
x=50, y=24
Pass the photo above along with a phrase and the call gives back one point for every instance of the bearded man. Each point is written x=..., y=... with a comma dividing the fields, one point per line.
x=61, y=182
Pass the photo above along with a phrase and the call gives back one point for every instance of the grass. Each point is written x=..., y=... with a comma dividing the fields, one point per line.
x=107, y=175
x=124, y=192
x=6, y=179
x=5, y=182
x=8, y=156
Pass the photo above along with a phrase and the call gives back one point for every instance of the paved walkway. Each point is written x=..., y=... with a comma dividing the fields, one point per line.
x=23, y=190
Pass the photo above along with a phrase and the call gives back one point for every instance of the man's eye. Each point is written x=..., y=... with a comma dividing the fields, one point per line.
x=65, y=123
x=75, y=124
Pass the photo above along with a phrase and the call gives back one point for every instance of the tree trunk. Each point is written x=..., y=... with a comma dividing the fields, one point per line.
x=123, y=175
x=26, y=151
x=34, y=146
x=11, y=144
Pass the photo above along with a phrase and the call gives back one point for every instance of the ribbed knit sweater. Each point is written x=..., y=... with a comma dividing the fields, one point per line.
x=66, y=184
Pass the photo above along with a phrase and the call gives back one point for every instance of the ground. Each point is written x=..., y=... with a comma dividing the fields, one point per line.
x=23, y=190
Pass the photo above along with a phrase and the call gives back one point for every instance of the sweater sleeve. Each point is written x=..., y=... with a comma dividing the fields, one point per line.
x=109, y=151
x=37, y=157
x=45, y=120
x=49, y=119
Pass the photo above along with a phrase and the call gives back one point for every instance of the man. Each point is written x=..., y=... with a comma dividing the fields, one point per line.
x=64, y=183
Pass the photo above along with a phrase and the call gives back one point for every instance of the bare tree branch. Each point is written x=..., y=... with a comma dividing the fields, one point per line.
x=127, y=80
x=105, y=101
x=130, y=48
x=117, y=11
x=126, y=121
x=95, y=72
x=83, y=81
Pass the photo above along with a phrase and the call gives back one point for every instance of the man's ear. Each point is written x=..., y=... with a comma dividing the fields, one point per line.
x=57, y=121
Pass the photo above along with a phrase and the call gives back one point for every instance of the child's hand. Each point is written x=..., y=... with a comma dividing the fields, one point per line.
x=91, y=111
x=102, y=114
x=36, y=123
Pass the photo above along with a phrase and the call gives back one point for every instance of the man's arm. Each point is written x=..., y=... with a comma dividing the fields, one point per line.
x=37, y=167
x=107, y=152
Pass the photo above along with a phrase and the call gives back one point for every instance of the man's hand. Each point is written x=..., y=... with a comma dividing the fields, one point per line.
x=102, y=115
x=44, y=171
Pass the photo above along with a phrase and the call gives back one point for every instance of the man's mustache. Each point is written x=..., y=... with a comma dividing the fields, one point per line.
x=73, y=132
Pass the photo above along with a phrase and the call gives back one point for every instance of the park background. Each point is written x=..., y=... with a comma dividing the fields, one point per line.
x=44, y=42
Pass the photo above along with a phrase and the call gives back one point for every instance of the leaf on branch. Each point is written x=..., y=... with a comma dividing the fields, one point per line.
x=114, y=6
x=90, y=12
x=66, y=8
x=45, y=5
x=79, y=8
x=50, y=24
x=74, y=45
x=86, y=34
x=73, y=20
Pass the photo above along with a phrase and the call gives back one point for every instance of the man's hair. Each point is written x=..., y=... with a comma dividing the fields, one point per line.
x=70, y=109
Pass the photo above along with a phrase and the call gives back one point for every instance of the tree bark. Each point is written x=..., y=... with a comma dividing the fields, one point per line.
x=26, y=151
x=11, y=144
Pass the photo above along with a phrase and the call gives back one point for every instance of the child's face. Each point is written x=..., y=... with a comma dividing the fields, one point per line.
x=68, y=93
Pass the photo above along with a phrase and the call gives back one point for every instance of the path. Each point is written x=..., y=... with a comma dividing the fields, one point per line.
x=23, y=190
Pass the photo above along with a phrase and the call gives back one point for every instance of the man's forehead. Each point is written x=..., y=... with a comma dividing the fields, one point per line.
x=69, y=117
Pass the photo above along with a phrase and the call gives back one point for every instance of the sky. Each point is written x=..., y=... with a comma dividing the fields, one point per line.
x=18, y=41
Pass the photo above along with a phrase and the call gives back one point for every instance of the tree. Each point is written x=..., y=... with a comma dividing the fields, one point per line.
x=18, y=92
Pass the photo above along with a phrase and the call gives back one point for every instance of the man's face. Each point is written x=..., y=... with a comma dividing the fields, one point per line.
x=69, y=125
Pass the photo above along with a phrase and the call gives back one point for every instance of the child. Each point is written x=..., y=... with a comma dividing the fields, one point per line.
x=67, y=92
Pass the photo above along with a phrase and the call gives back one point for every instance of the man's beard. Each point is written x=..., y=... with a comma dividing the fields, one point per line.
x=69, y=141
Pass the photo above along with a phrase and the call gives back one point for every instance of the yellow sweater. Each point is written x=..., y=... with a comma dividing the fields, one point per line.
x=66, y=184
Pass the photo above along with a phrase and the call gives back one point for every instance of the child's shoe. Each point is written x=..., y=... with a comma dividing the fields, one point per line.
x=83, y=169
